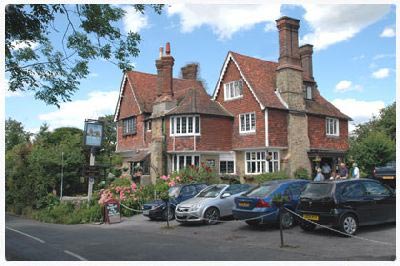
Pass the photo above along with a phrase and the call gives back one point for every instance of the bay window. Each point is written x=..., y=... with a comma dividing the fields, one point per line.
x=258, y=162
x=181, y=161
x=185, y=125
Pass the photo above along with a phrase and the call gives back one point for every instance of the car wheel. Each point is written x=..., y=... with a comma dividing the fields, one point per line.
x=170, y=216
x=307, y=226
x=348, y=224
x=211, y=215
x=287, y=219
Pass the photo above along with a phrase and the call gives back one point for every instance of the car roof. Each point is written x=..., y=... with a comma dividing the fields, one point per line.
x=345, y=180
x=283, y=181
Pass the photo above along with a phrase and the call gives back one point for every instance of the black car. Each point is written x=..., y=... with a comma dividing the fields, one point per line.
x=157, y=209
x=386, y=174
x=346, y=204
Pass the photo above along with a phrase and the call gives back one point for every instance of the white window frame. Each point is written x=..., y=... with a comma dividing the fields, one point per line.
x=233, y=90
x=175, y=167
x=332, y=126
x=260, y=160
x=227, y=157
x=146, y=124
x=252, y=129
x=173, y=125
x=309, y=93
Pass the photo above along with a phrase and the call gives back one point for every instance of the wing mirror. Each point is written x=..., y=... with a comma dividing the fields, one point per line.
x=225, y=195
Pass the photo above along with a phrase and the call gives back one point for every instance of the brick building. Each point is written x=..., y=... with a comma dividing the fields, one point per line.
x=263, y=116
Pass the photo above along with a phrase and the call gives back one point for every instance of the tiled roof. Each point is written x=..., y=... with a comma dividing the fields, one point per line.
x=261, y=76
x=197, y=101
x=190, y=94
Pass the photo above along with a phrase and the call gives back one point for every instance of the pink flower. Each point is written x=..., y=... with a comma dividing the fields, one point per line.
x=178, y=178
x=164, y=177
x=121, y=195
x=133, y=186
x=171, y=183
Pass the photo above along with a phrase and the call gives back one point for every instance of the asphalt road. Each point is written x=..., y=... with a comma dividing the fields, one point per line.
x=137, y=239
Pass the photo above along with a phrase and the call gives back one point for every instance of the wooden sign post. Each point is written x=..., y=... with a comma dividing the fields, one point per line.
x=112, y=212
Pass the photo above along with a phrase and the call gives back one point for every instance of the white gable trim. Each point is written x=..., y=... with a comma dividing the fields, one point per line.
x=266, y=127
x=230, y=57
x=278, y=94
x=121, y=89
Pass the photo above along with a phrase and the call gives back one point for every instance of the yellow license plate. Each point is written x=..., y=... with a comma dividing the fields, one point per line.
x=311, y=217
x=244, y=204
x=387, y=177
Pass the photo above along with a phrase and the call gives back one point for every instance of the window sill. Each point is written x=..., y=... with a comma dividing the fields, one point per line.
x=232, y=99
x=128, y=134
x=333, y=136
x=185, y=135
x=247, y=133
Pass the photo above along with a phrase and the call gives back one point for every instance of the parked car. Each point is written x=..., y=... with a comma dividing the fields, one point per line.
x=210, y=204
x=157, y=209
x=258, y=202
x=347, y=204
x=386, y=174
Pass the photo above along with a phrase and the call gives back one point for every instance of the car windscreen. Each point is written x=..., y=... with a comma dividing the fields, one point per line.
x=211, y=192
x=261, y=191
x=173, y=192
x=237, y=188
x=317, y=190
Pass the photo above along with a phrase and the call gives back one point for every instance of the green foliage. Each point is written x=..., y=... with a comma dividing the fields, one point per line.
x=68, y=213
x=301, y=173
x=375, y=149
x=15, y=134
x=270, y=176
x=47, y=202
x=122, y=182
x=88, y=32
x=374, y=142
x=196, y=174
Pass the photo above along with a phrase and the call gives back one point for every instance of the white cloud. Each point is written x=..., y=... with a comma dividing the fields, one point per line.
x=22, y=44
x=359, y=111
x=382, y=56
x=224, y=20
x=74, y=113
x=388, y=32
x=336, y=23
x=347, y=85
x=133, y=20
x=381, y=73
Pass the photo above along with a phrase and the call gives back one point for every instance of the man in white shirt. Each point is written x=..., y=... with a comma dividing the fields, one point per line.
x=326, y=170
x=356, y=171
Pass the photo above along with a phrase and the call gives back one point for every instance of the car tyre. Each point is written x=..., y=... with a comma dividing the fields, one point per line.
x=307, y=226
x=171, y=214
x=211, y=216
x=348, y=224
x=287, y=219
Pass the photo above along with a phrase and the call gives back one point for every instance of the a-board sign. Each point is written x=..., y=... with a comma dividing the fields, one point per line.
x=112, y=212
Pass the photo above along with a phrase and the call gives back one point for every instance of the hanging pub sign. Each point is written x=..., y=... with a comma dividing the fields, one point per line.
x=93, y=133
x=112, y=212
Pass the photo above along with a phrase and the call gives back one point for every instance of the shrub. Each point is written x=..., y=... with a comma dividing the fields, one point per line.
x=270, y=176
x=301, y=173
x=48, y=201
x=121, y=182
x=196, y=174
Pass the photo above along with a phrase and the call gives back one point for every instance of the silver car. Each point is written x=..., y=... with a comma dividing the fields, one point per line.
x=210, y=204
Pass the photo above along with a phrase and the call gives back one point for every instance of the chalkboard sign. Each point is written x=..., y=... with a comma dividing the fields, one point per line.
x=112, y=212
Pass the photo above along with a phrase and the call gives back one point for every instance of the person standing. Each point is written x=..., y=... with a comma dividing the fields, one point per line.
x=343, y=171
x=319, y=176
x=356, y=171
x=326, y=170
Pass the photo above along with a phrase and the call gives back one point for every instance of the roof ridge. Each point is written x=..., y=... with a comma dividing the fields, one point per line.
x=252, y=57
x=145, y=73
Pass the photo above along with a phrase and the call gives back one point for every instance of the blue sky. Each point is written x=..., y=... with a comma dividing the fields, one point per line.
x=354, y=55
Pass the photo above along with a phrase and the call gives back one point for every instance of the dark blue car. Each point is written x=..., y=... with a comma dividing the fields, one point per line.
x=157, y=209
x=258, y=202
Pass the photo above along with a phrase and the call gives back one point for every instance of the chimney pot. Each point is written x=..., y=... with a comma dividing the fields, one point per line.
x=168, y=48
x=288, y=41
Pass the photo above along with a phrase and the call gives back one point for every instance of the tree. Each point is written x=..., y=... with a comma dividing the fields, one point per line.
x=53, y=71
x=375, y=149
x=15, y=134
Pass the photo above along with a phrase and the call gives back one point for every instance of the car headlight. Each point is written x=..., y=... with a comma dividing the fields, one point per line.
x=195, y=207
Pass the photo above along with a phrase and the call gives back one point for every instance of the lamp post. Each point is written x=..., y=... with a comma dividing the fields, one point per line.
x=62, y=174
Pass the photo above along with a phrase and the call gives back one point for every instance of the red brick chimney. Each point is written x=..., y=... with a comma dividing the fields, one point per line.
x=164, y=74
x=306, y=52
x=190, y=71
x=289, y=54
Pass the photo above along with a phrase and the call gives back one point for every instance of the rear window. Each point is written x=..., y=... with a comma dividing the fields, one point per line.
x=237, y=188
x=261, y=191
x=317, y=190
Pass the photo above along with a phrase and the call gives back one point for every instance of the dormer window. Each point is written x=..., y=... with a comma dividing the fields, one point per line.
x=309, y=93
x=233, y=90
